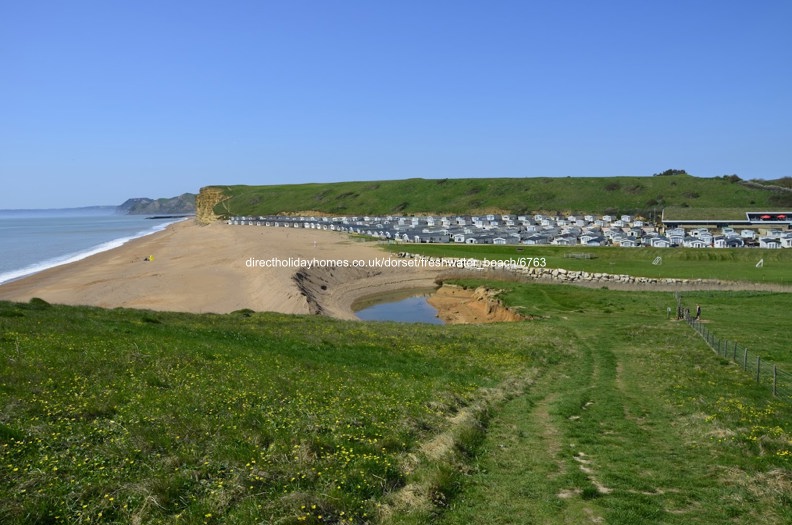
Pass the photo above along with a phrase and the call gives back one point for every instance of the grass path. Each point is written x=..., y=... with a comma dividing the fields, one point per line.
x=618, y=435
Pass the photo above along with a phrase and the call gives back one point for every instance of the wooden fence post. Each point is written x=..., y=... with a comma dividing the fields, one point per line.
x=775, y=378
x=745, y=359
x=758, y=367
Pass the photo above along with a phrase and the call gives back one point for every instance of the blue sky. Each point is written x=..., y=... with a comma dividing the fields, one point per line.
x=105, y=100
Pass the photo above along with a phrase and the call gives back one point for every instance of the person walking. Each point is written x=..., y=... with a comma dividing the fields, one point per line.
x=698, y=312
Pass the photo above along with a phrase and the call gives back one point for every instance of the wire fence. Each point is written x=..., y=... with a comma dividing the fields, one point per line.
x=777, y=381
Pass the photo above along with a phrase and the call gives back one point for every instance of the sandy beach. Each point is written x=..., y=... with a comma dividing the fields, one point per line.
x=221, y=268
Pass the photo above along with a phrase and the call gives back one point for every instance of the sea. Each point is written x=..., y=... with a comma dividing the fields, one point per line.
x=34, y=240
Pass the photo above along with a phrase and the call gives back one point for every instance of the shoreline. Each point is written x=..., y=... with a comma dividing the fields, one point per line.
x=201, y=268
x=36, y=267
x=205, y=269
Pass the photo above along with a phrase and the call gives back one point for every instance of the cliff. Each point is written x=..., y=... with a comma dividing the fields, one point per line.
x=208, y=197
x=184, y=204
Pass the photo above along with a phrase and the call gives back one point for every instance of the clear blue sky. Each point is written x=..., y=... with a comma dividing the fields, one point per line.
x=105, y=100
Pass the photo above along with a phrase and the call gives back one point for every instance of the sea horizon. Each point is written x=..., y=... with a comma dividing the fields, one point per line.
x=108, y=209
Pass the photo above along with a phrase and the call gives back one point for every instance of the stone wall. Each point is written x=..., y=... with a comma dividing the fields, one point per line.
x=550, y=274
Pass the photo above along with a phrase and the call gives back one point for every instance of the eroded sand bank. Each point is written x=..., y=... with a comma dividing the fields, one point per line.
x=458, y=305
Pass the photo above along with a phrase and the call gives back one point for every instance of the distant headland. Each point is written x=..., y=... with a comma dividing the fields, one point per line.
x=173, y=207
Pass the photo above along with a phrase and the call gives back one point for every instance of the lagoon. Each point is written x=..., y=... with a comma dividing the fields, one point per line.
x=411, y=309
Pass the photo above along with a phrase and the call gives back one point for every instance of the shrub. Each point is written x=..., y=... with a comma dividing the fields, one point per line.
x=37, y=303
x=670, y=173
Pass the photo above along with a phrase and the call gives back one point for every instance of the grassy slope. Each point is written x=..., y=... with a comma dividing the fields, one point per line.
x=678, y=213
x=738, y=264
x=122, y=416
x=646, y=425
x=580, y=194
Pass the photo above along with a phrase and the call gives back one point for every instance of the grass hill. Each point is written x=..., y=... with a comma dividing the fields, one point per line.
x=125, y=416
x=636, y=195
x=598, y=409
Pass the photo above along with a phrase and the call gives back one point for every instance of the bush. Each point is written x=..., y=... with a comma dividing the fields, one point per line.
x=670, y=173
x=37, y=303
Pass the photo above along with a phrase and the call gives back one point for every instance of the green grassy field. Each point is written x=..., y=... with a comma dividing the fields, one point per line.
x=644, y=425
x=120, y=416
x=606, y=410
x=737, y=264
x=641, y=195
x=756, y=320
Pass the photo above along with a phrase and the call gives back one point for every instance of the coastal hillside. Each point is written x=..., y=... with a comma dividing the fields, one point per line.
x=596, y=408
x=182, y=204
x=634, y=195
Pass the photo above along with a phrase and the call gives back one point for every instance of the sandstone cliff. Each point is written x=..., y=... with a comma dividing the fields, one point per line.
x=208, y=197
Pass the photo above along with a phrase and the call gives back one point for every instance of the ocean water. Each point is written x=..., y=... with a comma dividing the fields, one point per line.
x=34, y=240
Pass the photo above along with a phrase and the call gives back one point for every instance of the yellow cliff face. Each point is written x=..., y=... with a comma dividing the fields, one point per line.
x=208, y=197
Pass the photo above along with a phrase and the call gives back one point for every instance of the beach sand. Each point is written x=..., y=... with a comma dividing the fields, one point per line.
x=201, y=269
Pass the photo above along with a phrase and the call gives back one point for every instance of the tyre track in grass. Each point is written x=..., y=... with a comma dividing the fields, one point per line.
x=597, y=440
x=522, y=475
